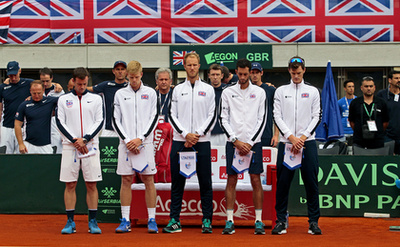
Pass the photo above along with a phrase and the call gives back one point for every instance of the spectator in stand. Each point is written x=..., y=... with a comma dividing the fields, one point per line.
x=344, y=105
x=369, y=117
x=391, y=97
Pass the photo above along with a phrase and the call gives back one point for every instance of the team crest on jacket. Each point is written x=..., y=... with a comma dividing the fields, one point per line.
x=69, y=103
x=145, y=96
x=252, y=96
x=305, y=95
x=202, y=93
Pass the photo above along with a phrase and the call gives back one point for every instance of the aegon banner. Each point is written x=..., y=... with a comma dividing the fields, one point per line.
x=221, y=54
x=351, y=186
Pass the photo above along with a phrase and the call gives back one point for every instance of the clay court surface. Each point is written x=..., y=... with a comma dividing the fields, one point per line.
x=44, y=230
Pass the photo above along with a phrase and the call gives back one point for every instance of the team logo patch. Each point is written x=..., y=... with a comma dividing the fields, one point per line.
x=202, y=93
x=69, y=103
x=305, y=95
x=145, y=96
x=16, y=114
x=252, y=96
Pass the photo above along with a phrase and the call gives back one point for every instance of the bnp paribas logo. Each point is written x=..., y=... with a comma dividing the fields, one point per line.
x=108, y=192
x=109, y=151
x=220, y=57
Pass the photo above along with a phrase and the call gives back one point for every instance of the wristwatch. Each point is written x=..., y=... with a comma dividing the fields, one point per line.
x=233, y=139
x=84, y=140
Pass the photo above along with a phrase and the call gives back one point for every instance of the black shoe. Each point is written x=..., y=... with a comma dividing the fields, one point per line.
x=229, y=228
x=280, y=228
x=173, y=226
x=314, y=229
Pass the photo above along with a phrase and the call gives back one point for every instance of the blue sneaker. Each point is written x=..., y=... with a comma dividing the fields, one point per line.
x=152, y=226
x=259, y=228
x=229, y=228
x=125, y=226
x=69, y=227
x=93, y=227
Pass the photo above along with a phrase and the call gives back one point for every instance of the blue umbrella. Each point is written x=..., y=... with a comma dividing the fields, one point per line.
x=330, y=127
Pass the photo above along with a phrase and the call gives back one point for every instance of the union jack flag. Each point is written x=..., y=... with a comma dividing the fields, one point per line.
x=178, y=57
x=5, y=12
x=204, y=21
x=127, y=35
x=204, y=35
x=359, y=33
x=282, y=34
x=204, y=8
x=360, y=7
x=281, y=8
x=30, y=22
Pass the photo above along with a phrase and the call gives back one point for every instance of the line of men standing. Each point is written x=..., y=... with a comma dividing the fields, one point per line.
x=192, y=113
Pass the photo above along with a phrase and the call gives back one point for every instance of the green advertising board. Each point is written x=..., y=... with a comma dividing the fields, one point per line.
x=109, y=207
x=226, y=54
x=352, y=186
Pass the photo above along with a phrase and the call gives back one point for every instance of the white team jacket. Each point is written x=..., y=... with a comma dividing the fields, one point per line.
x=78, y=118
x=135, y=113
x=243, y=113
x=192, y=109
x=297, y=110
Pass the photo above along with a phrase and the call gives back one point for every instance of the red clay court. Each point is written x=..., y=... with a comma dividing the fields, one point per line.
x=44, y=230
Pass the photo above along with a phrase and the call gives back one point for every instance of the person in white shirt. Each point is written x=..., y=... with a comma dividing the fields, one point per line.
x=80, y=118
x=297, y=113
x=243, y=117
x=192, y=115
x=134, y=119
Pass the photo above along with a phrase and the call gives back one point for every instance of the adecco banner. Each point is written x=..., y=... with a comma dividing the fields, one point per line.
x=226, y=54
x=351, y=186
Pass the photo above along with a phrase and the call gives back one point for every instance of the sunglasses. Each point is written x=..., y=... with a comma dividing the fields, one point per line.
x=296, y=60
x=367, y=78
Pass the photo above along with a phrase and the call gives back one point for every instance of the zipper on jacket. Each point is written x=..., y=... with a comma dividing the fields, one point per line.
x=80, y=112
x=191, y=120
x=136, y=120
x=295, y=113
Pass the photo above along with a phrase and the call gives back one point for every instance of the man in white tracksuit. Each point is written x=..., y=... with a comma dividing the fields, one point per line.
x=243, y=116
x=297, y=113
x=134, y=118
x=192, y=116
x=80, y=118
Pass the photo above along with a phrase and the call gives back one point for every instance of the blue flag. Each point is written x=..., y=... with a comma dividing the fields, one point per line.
x=330, y=127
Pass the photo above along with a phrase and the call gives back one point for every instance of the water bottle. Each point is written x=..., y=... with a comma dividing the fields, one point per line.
x=221, y=63
x=75, y=39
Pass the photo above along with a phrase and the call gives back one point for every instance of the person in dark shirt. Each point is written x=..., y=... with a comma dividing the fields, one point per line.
x=11, y=96
x=215, y=74
x=108, y=89
x=369, y=117
x=164, y=91
x=391, y=97
x=37, y=112
x=270, y=136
